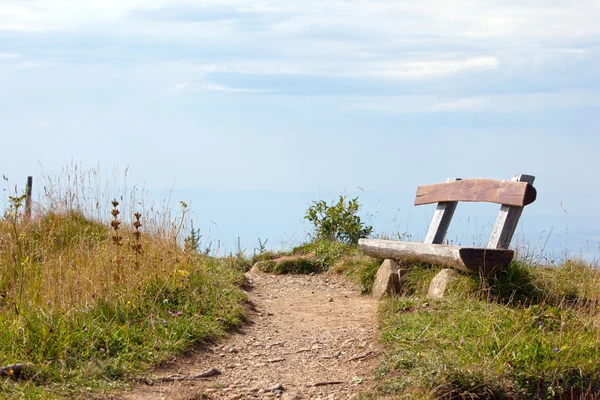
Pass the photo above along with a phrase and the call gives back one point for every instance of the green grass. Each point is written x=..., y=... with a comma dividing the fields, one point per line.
x=290, y=265
x=358, y=268
x=87, y=312
x=529, y=332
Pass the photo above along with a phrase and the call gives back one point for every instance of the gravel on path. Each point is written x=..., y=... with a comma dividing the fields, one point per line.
x=309, y=337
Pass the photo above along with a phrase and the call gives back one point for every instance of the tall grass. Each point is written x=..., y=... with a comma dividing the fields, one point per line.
x=92, y=292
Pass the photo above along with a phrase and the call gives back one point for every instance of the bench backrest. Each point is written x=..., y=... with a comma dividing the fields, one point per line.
x=513, y=195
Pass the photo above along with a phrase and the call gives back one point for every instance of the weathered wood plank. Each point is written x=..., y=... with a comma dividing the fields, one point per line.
x=441, y=220
x=468, y=259
x=481, y=190
x=507, y=220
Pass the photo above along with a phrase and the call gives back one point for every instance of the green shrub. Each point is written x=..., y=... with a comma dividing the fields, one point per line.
x=337, y=222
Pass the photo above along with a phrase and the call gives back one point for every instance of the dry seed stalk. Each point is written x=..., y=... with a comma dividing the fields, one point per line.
x=116, y=238
x=137, y=245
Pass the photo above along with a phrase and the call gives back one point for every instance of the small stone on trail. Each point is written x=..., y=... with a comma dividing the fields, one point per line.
x=276, y=388
x=331, y=299
x=233, y=350
x=290, y=396
x=336, y=355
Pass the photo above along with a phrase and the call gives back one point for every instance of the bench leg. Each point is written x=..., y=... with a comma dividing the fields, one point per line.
x=507, y=220
x=441, y=220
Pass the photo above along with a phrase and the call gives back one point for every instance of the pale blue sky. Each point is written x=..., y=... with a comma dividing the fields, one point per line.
x=251, y=109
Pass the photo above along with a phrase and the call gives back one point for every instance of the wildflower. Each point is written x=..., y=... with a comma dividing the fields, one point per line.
x=164, y=321
x=101, y=350
x=11, y=372
x=541, y=324
x=179, y=313
x=556, y=349
x=169, y=312
x=85, y=329
x=165, y=301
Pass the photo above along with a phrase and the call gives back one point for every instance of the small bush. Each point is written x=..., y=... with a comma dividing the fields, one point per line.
x=338, y=222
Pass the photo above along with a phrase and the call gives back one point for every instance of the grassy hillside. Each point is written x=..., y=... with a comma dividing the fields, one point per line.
x=529, y=332
x=92, y=292
x=86, y=303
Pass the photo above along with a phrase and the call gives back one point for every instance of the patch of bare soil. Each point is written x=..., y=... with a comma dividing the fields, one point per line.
x=310, y=337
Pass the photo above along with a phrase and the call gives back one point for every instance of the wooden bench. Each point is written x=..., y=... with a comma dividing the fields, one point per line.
x=512, y=195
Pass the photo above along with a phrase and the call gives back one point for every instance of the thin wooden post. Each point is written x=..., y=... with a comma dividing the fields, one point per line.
x=28, y=188
x=507, y=220
x=441, y=220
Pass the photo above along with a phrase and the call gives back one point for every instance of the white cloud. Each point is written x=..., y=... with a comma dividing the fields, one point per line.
x=350, y=39
x=533, y=102
x=42, y=15
x=390, y=69
x=259, y=68
x=491, y=103
x=417, y=105
x=520, y=22
x=458, y=105
x=180, y=87
x=8, y=55
x=212, y=87
x=426, y=69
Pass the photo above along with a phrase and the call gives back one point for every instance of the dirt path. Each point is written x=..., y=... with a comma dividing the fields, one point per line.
x=311, y=337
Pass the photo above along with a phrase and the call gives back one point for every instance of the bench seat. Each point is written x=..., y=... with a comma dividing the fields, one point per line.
x=477, y=260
